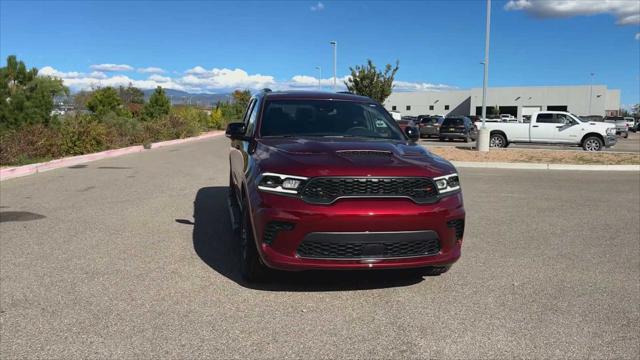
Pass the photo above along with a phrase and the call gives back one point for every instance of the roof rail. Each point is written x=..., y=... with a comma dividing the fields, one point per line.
x=344, y=92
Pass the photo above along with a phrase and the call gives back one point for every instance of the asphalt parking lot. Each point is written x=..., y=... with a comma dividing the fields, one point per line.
x=133, y=257
x=630, y=144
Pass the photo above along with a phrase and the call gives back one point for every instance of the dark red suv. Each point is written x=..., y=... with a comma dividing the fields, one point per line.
x=329, y=181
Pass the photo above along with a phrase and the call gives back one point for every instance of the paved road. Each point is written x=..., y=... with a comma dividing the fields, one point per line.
x=104, y=261
x=631, y=144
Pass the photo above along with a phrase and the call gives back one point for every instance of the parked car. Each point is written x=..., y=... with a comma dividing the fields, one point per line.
x=592, y=118
x=430, y=126
x=508, y=118
x=406, y=122
x=458, y=128
x=622, y=129
x=395, y=115
x=329, y=181
x=631, y=123
x=554, y=127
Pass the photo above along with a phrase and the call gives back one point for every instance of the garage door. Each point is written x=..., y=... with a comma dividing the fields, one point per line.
x=529, y=110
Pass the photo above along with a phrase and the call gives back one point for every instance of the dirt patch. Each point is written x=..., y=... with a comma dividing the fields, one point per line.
x=536, y=156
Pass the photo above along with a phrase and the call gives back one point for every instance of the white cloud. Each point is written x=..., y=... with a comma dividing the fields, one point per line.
x=151, y=70
x=317, y=7
x=627, y=12
x=96, y=79
x=199, y=80
x=159, y=78
x=311, y=82
x=98, y=75
x=413, y=86
x=225, y=79
x=111, y=67
x=638, y=36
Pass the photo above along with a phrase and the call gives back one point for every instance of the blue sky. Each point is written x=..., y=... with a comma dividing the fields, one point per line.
x=216, y=46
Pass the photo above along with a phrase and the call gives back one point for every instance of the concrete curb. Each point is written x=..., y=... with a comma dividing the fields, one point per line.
x=208, y=135
x=19, y=171
x=534, y=166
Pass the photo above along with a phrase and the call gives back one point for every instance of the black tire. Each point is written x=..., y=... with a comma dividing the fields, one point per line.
x=441, y=139
x=592, y=143
x=498, y=141
x=435, y=270
x=251, y=267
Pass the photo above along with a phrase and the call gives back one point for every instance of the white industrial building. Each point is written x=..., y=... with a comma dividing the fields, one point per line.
x=517, y=101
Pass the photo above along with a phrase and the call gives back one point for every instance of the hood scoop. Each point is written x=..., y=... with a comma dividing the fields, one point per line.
x=365, y=153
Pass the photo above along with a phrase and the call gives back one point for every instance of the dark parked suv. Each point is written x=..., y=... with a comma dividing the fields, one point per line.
x=329, y=181
x=458, y=128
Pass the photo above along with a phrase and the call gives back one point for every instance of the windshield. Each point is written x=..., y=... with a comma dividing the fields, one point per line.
x=576, y=117
x=327, y=118
x=453, y=122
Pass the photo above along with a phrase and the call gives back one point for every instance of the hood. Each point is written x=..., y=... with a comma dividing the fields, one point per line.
x=348, y=157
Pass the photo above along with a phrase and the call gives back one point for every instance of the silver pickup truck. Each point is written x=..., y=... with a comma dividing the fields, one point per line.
x=554, y=127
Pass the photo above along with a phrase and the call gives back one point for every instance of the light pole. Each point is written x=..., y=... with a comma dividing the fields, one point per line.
x=334, y=43
x=590, y=92
x=483, y=136
x=319, y=68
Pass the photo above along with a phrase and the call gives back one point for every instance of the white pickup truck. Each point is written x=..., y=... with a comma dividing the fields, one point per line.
x=554, y=127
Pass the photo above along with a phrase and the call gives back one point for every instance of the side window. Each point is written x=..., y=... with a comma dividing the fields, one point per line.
x=393, y=108
x=430, y=107
x=250, y=118
x=563, y=119
x=545, y=119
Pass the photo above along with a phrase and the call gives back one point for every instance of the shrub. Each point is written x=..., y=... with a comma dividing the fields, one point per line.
x=122, y=131
x=28, y=144
x=82, y=134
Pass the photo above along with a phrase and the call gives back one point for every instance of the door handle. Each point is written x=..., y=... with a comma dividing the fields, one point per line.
x=534, y=125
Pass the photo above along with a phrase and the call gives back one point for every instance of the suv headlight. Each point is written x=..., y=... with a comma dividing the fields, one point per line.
x=611, y=131
x=447, y=183
x=280, y=183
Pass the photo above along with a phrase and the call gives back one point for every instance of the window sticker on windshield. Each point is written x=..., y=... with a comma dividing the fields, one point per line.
x=380, y=123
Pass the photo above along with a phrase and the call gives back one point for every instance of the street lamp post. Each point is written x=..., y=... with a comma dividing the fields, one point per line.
x=590, y=92
x=334, y=43
x=319, y=68
x=483, y=136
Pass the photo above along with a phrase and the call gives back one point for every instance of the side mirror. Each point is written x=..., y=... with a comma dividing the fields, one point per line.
x=412, y=133
x=235, y=131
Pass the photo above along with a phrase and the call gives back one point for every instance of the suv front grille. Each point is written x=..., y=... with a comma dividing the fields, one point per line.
x=351, y=250
x=325, y=190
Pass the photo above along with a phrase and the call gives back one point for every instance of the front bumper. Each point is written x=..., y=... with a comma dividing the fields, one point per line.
x=610, y=140
x=350, y=218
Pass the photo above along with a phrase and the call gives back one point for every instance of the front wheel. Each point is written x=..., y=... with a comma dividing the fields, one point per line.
x=251, y=267
x=498, y=141
x=592, y=143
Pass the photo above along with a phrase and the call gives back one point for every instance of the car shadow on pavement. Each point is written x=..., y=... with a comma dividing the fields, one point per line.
x=216, y=244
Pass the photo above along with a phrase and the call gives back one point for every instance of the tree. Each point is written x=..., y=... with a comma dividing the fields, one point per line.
x=158, y=104
x=216, y=120
x=366, y=80
x=25, y=97
x=105, y=100
x=130, y=95
x=241, y=98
